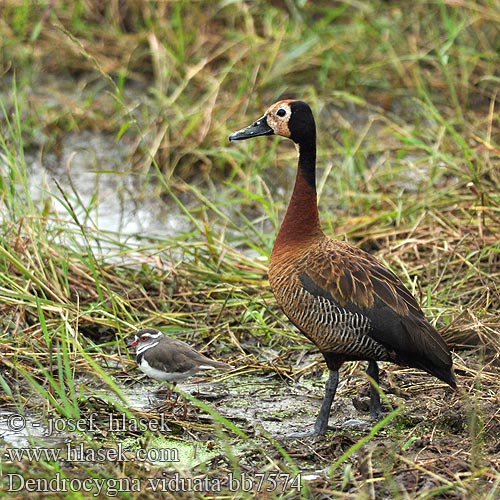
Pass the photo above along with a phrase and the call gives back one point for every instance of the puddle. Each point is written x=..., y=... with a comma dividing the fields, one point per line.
x=28, y=436
x=22, y=431
x=185, y=454
x=102, y=194
x=29, y=431
x=258, y=403
x=255, y=404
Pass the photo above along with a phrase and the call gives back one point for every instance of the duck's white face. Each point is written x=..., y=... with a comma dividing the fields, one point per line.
x=277, y=117
x=276, y=121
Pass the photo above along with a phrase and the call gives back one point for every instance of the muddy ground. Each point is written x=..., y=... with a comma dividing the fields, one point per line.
x=439, y=441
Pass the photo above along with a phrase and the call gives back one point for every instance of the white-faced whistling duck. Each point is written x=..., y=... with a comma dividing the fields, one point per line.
x=340, y=297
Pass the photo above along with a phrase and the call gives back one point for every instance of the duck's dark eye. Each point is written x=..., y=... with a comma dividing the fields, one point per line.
x=281, y=112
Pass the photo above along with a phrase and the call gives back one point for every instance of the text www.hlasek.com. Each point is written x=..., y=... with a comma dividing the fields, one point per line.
x=79, y=453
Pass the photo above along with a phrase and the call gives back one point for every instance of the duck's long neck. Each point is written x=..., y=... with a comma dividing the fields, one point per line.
x=301, y=222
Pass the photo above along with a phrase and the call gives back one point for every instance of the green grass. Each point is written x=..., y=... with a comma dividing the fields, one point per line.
x=407, y=110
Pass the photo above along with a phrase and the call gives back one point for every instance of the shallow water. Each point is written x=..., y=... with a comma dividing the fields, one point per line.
x=104, y=195
x=19, y=430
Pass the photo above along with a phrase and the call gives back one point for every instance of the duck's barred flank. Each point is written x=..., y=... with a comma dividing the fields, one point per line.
x=340, y=297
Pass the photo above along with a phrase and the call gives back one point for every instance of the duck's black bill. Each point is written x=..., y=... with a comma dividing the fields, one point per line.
x=260, y=127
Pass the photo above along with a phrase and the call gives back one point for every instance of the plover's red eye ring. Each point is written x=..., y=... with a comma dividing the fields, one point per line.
x=144, y=338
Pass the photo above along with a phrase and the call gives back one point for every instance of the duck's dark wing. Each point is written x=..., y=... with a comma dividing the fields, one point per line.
x=355, y=281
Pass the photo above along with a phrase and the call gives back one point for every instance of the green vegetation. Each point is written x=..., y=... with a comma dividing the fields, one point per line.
x=406, y=99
